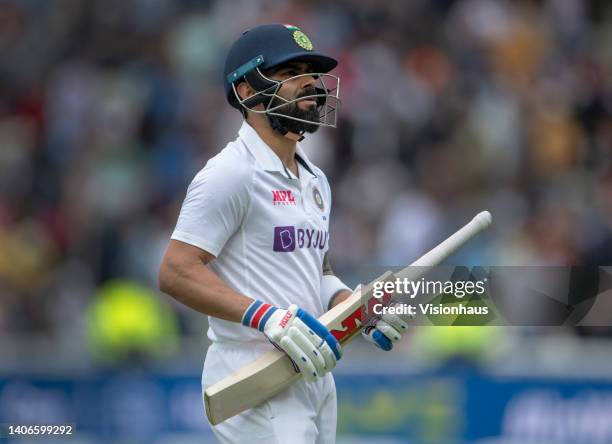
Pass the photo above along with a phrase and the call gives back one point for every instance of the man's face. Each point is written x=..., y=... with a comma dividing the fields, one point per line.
x=292, y=89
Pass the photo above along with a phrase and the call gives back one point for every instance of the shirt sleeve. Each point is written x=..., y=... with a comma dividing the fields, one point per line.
x=216, y=203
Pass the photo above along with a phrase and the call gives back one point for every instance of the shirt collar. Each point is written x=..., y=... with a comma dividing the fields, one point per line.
x=264, y=155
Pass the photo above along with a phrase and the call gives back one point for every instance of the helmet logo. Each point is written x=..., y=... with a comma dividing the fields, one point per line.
x=302, y=40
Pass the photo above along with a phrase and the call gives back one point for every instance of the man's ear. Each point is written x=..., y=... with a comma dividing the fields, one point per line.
x=244, y=90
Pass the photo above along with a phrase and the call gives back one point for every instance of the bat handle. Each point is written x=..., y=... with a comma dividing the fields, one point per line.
x=455, y=241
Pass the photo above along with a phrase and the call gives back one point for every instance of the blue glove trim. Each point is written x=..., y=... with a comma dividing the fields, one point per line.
x=320, y=330
x=248, y=314
x=381, y=340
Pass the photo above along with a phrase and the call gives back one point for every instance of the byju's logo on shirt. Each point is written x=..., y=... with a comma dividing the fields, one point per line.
x=282, y=197
x=286, y=239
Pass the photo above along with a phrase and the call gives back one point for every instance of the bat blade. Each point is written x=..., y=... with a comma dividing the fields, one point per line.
x=273, y=372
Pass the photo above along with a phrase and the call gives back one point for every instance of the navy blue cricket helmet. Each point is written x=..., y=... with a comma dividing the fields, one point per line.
x=267, y=46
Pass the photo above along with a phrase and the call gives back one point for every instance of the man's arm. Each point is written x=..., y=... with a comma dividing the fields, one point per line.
x=339, y=295
x=184, y=275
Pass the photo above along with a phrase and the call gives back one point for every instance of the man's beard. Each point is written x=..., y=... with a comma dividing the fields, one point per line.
x=293, y=110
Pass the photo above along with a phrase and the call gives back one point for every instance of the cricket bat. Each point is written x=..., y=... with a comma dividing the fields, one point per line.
x=273, y=372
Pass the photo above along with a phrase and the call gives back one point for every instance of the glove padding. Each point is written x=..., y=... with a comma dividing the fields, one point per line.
x=305, y=340
x=385, y=330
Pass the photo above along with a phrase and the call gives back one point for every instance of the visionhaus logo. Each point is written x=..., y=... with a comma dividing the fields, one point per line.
x=287, y=239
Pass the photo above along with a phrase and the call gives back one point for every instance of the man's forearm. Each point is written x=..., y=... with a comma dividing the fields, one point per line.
x=199, y=288
x=340, y=296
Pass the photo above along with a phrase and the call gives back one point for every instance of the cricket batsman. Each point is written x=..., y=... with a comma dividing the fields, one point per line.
x=250, y=248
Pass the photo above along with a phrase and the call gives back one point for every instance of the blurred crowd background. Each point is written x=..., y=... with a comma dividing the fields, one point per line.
x=109, y=108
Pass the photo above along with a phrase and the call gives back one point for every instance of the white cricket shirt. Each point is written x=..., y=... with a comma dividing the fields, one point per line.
x=268, y=229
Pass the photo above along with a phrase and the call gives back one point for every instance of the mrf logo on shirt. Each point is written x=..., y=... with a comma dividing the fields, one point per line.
x=287, y=239
x=282, y=197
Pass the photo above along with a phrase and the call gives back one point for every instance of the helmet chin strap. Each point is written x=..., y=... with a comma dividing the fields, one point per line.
x=279, y=128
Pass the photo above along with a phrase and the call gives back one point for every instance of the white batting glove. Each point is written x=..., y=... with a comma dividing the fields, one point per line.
x=306, y=341
x=385, y=330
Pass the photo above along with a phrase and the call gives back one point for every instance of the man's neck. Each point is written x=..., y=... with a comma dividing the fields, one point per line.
x=283, y=146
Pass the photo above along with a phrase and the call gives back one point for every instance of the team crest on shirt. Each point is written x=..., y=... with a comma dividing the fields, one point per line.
x=316, y=195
